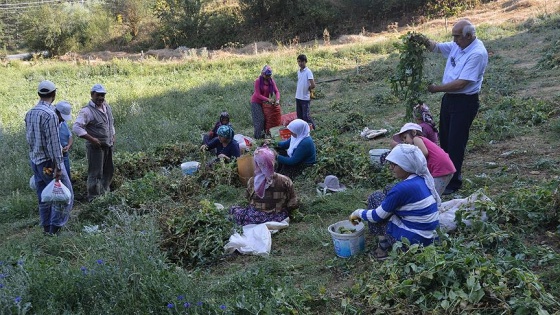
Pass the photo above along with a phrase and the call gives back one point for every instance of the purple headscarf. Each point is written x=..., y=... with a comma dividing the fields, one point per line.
x=267, y=70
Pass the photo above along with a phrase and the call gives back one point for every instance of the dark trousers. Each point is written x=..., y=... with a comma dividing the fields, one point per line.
x=302, y=111
x=456, y=116
x=51, y=215
x=100, y=169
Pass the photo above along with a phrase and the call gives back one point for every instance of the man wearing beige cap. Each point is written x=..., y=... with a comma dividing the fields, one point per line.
x=45, y=153
x=95, y=123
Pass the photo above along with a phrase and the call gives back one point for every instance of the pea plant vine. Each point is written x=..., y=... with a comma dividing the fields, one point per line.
x=407, y=83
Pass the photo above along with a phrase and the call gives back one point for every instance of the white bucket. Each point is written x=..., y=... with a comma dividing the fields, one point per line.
x=375, y=155
x=190, y=168
x=346, y=245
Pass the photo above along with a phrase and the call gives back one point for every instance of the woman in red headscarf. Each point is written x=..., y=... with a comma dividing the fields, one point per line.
x=265, y=104
x=271, y=195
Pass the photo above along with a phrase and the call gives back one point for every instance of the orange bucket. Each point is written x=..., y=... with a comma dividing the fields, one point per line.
x=285, y=134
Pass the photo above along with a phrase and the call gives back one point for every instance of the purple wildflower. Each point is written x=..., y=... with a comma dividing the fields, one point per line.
x=181, y=297
x=187, y=304
x=223, y=306
x=17, y=299
x=100, y=261
x=1, y=285
x=170, y=305
x=199, y=303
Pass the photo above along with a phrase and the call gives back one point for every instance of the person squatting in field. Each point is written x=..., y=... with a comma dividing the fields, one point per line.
x=409, y=209
x=271, y=195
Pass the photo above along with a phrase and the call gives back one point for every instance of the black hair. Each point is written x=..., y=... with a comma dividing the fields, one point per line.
x=302, y=57
x=51, y=94
x=224, y=115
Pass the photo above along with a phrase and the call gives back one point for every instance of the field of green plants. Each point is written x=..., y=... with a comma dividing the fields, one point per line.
x=154, y=245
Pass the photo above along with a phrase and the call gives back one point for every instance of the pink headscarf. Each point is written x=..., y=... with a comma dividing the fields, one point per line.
x=264, y=169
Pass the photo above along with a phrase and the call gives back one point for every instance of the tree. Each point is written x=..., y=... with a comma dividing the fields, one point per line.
x=132, y=13
x=58, y=29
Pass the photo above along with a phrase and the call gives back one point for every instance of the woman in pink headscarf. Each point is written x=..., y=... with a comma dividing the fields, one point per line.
x=265, y=104
x=271, y=195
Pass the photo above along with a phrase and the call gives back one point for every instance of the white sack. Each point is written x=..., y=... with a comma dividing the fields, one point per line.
x=256, y=238
x=448, y=209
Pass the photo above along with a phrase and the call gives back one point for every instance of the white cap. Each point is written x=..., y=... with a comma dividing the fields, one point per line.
x=98, y=88
x=405, y=128
x=65, y=110
x=46, y=87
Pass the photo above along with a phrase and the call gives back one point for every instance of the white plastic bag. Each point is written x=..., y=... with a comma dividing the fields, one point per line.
x=56, y=192
x=256, y=238
x=32, y=183
x=245, y=143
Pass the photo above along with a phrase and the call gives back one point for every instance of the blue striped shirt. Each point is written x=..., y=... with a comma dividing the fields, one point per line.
x=411, y=209
x=41, y=131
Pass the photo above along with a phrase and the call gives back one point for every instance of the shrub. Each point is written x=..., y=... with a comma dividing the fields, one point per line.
x=58, y=29
x=194, y=234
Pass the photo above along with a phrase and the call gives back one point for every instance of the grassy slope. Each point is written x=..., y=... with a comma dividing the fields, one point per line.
x=173, y=102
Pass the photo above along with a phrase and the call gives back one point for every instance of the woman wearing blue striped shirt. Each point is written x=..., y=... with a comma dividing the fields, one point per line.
x=410, y=209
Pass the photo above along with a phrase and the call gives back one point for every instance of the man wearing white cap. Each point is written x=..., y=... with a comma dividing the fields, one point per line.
x=95, y=123
x=64, y=111
x=45, y=153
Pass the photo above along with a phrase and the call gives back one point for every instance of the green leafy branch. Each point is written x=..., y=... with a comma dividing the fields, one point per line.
x=407, y=82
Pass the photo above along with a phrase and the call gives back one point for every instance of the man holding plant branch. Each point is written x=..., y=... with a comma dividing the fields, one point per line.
x=467, y=59
x=95, y=124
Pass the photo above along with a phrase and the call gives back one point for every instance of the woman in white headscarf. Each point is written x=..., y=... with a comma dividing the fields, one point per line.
x=271, y=195
x=300, y=150
x=410, y=209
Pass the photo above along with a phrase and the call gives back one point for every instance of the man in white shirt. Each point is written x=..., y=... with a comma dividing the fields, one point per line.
x=305, y=85
x=467, y=59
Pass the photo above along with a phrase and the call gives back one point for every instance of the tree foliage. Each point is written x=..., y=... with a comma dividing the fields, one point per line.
x=69, y=27
x=63, y=27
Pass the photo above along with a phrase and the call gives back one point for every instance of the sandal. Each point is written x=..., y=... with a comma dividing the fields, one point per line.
x=380, y=254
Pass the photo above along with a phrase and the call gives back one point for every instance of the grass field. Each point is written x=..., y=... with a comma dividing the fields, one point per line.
x=159, y=240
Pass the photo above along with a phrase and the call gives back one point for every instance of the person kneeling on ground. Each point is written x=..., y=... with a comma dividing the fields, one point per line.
x=298, y=152
x=439, y=164
x=410, y=208
x=212, y=134
x=226, y=147
x=271, y=195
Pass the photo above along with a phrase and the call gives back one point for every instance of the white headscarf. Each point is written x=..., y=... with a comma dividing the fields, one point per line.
x=411, y=159
x=301, y=129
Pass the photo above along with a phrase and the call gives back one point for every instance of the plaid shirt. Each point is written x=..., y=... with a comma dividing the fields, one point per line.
x=41, y=125
x=279, y=196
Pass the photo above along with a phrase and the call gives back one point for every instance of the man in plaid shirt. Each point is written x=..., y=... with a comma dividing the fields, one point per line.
x=45, y=153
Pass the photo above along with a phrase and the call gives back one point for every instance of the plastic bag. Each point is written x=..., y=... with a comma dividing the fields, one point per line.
x=56, y=192
x=245, y=143
x=32, y=184
x=256, y=238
